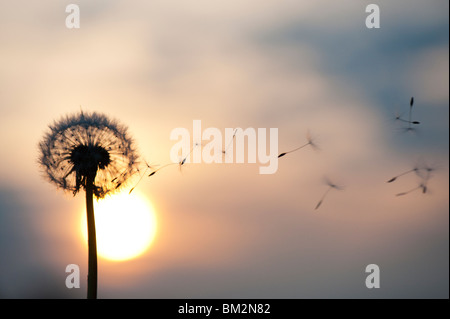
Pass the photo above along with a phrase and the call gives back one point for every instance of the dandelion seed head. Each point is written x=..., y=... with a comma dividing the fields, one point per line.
x=83, y=146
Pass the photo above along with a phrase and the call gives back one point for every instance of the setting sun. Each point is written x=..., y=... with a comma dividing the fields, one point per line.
x=125, y=224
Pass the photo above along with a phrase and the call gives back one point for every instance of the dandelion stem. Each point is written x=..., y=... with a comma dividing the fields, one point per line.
x=92, y=242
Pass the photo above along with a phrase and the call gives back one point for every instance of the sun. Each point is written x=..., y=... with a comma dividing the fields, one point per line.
x=125, y=225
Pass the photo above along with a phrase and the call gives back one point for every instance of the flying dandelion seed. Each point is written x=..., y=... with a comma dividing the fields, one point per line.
x=90, y=152
x=421, y=186
x=180, y=163
x=183, y=161
x=393, y=179
x=164, y=166
x=423, y=171
x=225, y=150
x=310, y=142
x=398, y=117
x=142, y=175
x=331, y=186
x=411, y=103
x=409, y=121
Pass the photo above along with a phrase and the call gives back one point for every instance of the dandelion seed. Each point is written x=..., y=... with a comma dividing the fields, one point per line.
x=411, y=102
x=90, y=152
x=180, y=163
x=415, y=169
x=409, y=121
x=310, y=142
x=423, y=171
x=142, y=175
x=160, y=168
x=225, y=150
x=410, y=191
x=183, y=161
x=400, y=119
x=331, y=186
x=423, y=186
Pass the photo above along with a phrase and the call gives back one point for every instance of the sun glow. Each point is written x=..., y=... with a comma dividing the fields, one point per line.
x=125, y=225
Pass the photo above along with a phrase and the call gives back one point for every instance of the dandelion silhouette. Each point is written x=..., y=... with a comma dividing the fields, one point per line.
x=331, y=186
x=90, y=152
x=310, y=142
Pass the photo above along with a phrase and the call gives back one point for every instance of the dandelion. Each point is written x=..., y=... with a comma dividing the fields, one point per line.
x=310, y=142
x=90, y=152
x=331, y=186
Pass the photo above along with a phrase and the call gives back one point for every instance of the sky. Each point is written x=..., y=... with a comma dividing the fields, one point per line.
x=224, y=230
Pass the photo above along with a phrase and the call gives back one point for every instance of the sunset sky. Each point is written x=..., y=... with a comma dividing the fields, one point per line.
x=224, y=230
